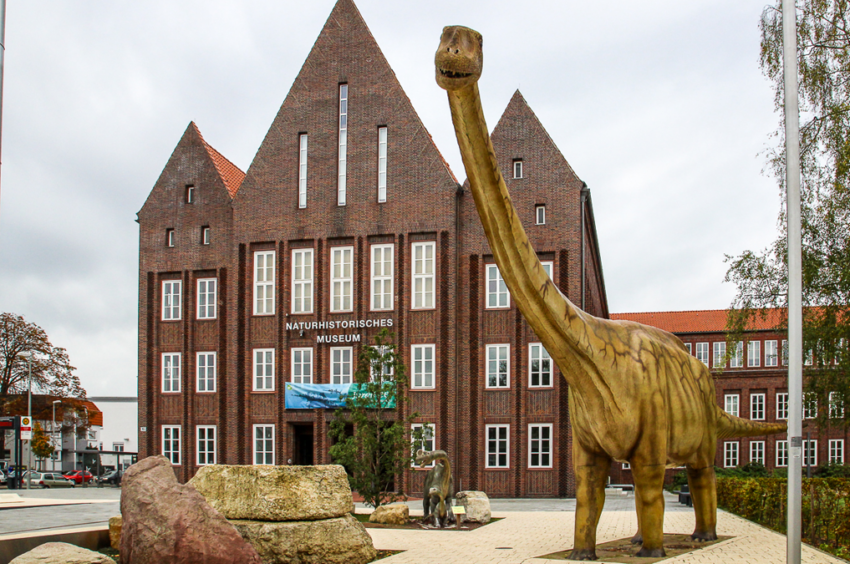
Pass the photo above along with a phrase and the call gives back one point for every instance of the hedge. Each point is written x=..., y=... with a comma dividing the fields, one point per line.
x=825, y=507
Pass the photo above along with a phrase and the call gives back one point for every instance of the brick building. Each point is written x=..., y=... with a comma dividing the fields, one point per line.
x=751, y=382
x=349, y=220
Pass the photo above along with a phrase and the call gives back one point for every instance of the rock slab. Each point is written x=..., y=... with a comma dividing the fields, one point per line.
x=115, y=532
x=476, y=504
x=396, y=514
x=342, y=540
x=165, y=521
x=276, y=493
x=61, y=553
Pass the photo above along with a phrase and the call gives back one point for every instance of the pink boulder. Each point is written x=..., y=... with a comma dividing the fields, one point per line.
x=165, y=521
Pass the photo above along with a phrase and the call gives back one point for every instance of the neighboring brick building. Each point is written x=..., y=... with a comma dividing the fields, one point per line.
x=753, y=384
x=349, y=217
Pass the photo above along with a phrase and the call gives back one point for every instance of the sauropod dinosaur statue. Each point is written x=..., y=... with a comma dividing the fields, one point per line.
x=636, y=394
x=439, y=486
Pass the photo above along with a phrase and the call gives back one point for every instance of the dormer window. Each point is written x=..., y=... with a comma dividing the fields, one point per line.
x=205, y=235
x=190, y=194
x=517, y=168
x=169, y=237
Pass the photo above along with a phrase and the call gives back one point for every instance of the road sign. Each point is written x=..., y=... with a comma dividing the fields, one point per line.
x=26, y=428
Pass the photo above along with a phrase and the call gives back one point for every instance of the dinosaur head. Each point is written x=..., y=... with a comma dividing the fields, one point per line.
x=459, y=58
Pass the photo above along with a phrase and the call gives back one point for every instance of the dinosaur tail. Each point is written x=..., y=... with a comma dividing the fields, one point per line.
x=729, y=426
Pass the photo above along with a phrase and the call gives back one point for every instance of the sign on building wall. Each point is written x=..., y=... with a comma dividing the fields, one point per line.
x=313, y=396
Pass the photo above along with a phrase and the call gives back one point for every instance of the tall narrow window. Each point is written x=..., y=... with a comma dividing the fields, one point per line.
x=497, y=290
x=381, y=371
x=810, y=405
x=782, y=405
x=264, y=283
x=771, y=355
x=207, y=298
x=302, y=171
x=539, y=366
x=341, y=280
x=784, y=352
x=836, y=451
x=423, y=367
x=264, y=444
x=171, y=443
x=757, y=452
x=169, y=237
x=382, y=277
x=302, y=366
x=171, y=372
x=731, y=401
x=702, y=353
x=497, y=446
x=730, y=454
x=423, y=275
x=719, y=355
x=688, y=346
x=498, y=366
x=836, y=405
x=782, y=453
x=548, y=266
x=206, y=444
x=424, y=442
x=382, y=164
x=540, y=214
x=540, y=446
x=190, y=194
x=206, y=236
x=263, y=370
x=171, y=291
x=343, y=143
x=754, y=354
x=302, y=281
x=341, y=370
x=206, y=371
x=810, y=453
x=737, y=360
x=757, y=407
x=517, y=168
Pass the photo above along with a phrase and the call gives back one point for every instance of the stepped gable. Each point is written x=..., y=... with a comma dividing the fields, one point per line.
x=345, y=52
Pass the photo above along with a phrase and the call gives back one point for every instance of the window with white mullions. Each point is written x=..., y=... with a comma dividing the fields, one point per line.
x=302, y=366
x=264, y=283
x=836, y=405
x=206, y=368
x=540, y=214
x=171, y=443
x=380, y=371
x=539, y=366
x=810, y=405
x=782, y=453
x=757, y=452
x=264, y=444
x=425, y=441
x=702, y=353
x=302, y=281
x=171, y=372
x=423, y=367
x=782, y=405
x=382, y=164
x=423, y=275
x=497, y=290
x=207, y=298
x=341, y=365
x=757, y=402
x=732, y=403
x=836, y=451
x=498, y=446
x=737, y=360
x=302, y=170
x=498, y=365
x=730, y=454
x=341, y=278
x=540, y=446
x=754, y=354
x=810, y=453
x=719, y=355
x=263, y=370
x=771, y=353
x=382, y=277
x=171, y=292
x=343, y=144
x=206, y=444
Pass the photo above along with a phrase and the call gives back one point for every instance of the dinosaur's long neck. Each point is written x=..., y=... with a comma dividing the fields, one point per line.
x=558, y=323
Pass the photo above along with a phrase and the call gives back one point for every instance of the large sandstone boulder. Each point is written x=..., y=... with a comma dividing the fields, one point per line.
x=61, y=553
x=164, y=521
x=342, y=540
x=476, y=504
x=115, y=524
x=396, y=514
x=276, y=493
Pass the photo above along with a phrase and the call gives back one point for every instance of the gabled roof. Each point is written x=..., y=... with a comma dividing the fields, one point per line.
x=701, y=321
x=229, y=172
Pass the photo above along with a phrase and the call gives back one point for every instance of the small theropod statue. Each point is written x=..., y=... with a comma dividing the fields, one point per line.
x=439, y=486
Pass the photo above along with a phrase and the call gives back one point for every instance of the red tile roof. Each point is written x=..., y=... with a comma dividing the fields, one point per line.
x=704, y=321
x=95, y=415
x=230, y=174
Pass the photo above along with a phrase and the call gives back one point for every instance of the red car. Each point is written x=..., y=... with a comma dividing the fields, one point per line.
x=77, y=476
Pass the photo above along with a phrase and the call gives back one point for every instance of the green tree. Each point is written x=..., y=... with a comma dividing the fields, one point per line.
x=41, y=445
x=370, y=432
x=823, y=37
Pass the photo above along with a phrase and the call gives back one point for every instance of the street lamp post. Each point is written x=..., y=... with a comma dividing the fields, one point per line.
x=53, y=429
x=28, y=355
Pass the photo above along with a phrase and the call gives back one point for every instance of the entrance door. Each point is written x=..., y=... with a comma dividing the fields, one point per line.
x=302, y=448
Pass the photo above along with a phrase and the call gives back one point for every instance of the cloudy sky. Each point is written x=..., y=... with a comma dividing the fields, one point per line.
x=658, y=105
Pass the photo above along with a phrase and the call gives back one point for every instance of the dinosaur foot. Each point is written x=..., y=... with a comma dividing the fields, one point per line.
x=704, y=536
x=637, y=539
x=583, y=554
x=651, y=553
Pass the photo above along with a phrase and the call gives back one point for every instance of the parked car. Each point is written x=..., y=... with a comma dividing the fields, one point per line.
x=53, y=480
x=79, y=475
x=113, y=477
x=2, y=478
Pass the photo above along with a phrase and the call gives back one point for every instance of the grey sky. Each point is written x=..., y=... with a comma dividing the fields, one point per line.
x=659, y=106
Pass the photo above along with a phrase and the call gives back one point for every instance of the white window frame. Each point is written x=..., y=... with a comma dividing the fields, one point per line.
x=382, y=275
x=172, y=292
x=490, y=350
x=836, y=451
x=169, y=237
x=781, y=405
x=303, y=140
x=430, y=436
x=264, y=282
x=782, y=453
x=731, y=454
x=737, y=359
x=302, y=365
x=784, y=352
x=206, y=438
x=302, y=280
x=753, y=354
x=758, y=403
x=757, y=452
x=497, y=290
x=422, y=278
x=342, y=283
x=810, y=405
x=207, y=298
x=343, y=145
x=732, y=404
x=771, y=353
x=263, y=370
x=342, y=377
x=702, y=353
x=420, y=378
x=266, y=455
x=719, y=354
x=171, y=437
x=206, y=235
x=548, y=268
x=118, y=447
x=507, y=442
x=689, y=347
x=836, y=405
x=540, y=214
x=206, y=368
x=517, y=168
x=382, y=164
x=537, y=352
x=190, y=194
x=378, y=372
x=540, y=442
x=171, y=373
x=810, y=449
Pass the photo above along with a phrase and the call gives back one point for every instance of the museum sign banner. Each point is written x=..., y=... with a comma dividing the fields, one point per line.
x=331, y=396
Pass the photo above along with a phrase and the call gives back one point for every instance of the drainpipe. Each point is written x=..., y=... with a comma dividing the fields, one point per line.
x=584, y=192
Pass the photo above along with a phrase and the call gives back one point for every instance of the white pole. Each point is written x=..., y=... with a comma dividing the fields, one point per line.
x=29, y=414
x=795, y=283
x=2, y=53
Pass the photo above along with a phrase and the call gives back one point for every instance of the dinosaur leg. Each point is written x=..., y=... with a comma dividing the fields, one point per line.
x=704, y=495
x=638, y=538
x=591, y=472
x=649, y=498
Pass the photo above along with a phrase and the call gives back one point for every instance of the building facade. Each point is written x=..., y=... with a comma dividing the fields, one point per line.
x=348, y=221
x=751, y=382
